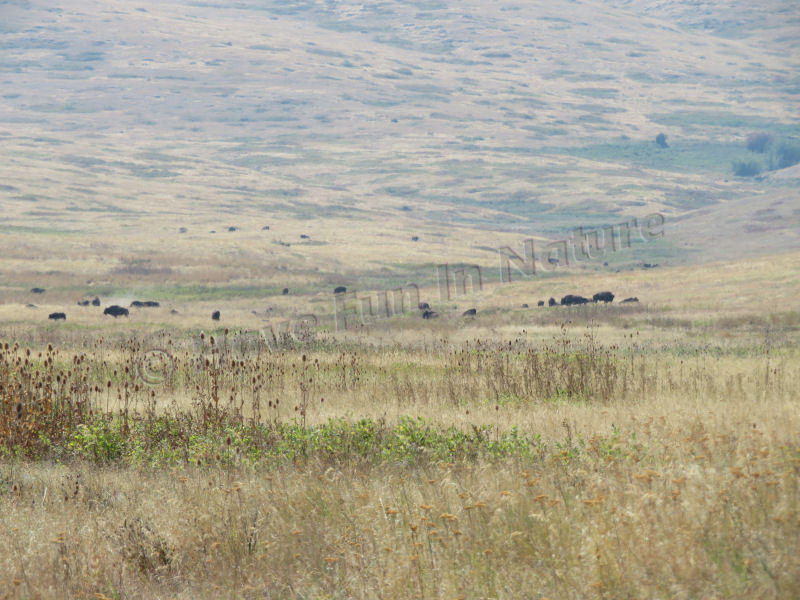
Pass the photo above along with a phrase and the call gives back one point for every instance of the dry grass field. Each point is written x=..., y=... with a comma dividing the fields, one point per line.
x=210, y=155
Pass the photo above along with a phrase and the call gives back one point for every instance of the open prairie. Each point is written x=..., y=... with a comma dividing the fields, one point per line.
x=249, y=158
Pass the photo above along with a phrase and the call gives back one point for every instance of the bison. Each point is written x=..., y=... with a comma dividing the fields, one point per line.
x=232, y=228
x=424, y=306
x=540, y=303
x=470, y=312
x=96, y=301
x=340, y=290
x=215, y=315
x=37, y=291
x=429, y=314
x=83, y=303
x=571, y=299
x=632, y=299
x=303, y=236
x=524, y=306
x=414, y=238
x=116, y=311
x=145, y=304
x=57, y=316
x=552, y=302
x=285, y=291
x=603, y=297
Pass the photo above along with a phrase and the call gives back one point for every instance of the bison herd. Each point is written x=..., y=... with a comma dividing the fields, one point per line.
x=573, y=300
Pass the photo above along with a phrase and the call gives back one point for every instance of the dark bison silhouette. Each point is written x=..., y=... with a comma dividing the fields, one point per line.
x=633, y=299
x=470, y=312
x=424, y=306
x=215, y=315
x=303, y=236
x=83, y=302
x=116, y=311
x=57, y=316
x=524, y=306
x=552, y=302
x=285, y=291
x=540, y=303
x=37, y=290
x=340, y=290
x=265, y=228
x=145, y=304
x=414, y=238
x=571, y=299
x=96, y=301
x=603, y=297
x=232, y=228
x=429, y=314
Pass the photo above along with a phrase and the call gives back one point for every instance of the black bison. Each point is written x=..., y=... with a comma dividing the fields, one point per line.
x=96, y=301
x=603, y=297
x=470, y=312
x=552, y=302
x=552, y=261
x=429, y=314
x=424, y=306
x=632, y=299
x=182, y=230
x=215, y=315
x=303, y=236
x=37, y=291
x=83, y=303
x=524, y=306
x=145, y=304
x=265, y=228
x=540, y=303
x=649, y=266
x=340, y=290
x=231, y=228
x=57, y=316
x=116, y=311
x=414, y=238
x=571, y=299
x=285, y=291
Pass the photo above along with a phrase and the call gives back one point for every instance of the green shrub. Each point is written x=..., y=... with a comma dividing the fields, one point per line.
x=746, y=168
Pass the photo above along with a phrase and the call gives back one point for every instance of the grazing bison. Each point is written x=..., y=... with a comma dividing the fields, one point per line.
x=429, y=314
x=470, y=312
x=303, y=236
x=83, y=303
x=571, y=299
x=424, y=306
x=37, y=291
x=633, y=299
x=524, y=306
x=540, y=303
x=340, y=290
x=215, y=315
x=285, y=291
x=231, y=228
x=116, y=311
x=96, y=301
x=145, y=304
x=414, y=238
x=603, y=297
x=57, y=316
x=552, y=302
